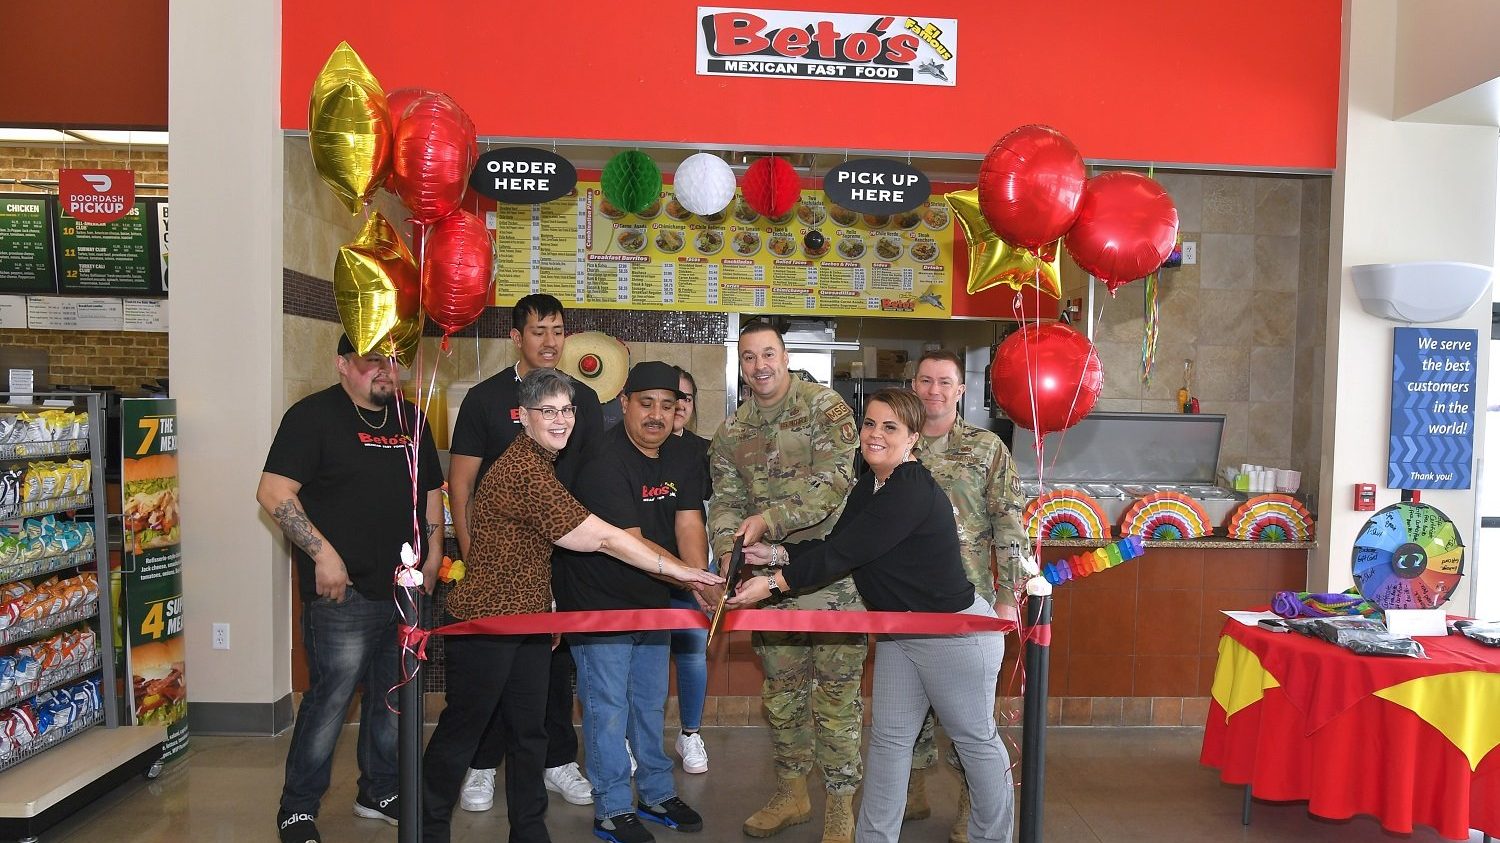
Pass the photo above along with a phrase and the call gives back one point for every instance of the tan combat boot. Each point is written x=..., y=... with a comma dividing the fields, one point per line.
x=960, y=832
x=838, y=818
x=917, y=807
x=788, y=807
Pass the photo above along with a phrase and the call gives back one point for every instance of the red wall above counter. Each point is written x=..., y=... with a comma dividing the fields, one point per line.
x=1203, y=83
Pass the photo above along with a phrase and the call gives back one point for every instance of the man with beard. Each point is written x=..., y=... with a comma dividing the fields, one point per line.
x=781, y=467
x=338, y=481
x=488, y=421
x=649, y=483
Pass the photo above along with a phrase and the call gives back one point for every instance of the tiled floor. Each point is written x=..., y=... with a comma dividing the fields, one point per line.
x=1103, y=786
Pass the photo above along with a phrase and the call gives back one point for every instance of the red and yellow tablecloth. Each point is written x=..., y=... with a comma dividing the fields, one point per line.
x=1408, y=741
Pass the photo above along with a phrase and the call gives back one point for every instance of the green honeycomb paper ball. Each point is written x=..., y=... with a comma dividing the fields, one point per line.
x=631, y=181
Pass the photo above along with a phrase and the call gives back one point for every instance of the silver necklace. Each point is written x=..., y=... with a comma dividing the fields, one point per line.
x=384, y=416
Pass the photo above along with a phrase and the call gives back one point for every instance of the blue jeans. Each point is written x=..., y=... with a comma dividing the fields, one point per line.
x=690, y=659
x=346, y=644
x=622, y=683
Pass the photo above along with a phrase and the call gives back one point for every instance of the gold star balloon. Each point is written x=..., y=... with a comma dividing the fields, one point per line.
x=368, y=278
x=993, y=262
x=349, y=128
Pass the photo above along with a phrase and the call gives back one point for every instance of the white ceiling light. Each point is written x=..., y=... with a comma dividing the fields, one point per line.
x=135, y=138
x=11, y=135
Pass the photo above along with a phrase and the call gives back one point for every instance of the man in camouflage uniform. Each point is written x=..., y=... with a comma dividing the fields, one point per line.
x=781, y=468
x=974, y=467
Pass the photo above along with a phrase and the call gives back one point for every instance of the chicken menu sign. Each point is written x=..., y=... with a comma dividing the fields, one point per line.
x=901, y=49
x=151, y=567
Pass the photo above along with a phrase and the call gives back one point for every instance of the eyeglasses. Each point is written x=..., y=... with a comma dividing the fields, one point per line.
x=550, y=413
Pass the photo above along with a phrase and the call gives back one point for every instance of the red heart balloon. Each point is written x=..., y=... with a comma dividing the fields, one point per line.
x=1127, y=226
x=1030, y=185
x=435, y=149
x=456, y=272
x=1046, y=378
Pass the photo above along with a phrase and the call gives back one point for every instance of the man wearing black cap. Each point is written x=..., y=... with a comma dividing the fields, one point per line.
x=338, y=481
x=647, y=482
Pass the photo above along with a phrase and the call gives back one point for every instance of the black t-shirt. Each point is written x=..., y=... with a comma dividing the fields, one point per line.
x=490, y=418
x=901, y=543
x=699, y=447
x=628, y=489
x=356, y=483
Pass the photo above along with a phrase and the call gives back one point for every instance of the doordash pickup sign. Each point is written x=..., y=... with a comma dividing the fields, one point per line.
x=911, y=50
x=877, y=186
x=96, y=195
x=523, y=175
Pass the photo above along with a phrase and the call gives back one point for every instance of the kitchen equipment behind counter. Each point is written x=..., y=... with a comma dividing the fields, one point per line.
x=1118, y=458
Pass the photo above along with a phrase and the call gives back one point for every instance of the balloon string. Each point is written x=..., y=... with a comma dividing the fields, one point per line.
x=409, y=645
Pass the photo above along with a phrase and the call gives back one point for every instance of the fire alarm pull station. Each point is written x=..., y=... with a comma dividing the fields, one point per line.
x=1364, y=497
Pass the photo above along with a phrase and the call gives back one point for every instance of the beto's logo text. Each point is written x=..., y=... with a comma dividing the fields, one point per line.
x=736, y=34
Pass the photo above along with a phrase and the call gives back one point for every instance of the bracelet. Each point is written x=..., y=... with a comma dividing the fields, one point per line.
x=659, y=569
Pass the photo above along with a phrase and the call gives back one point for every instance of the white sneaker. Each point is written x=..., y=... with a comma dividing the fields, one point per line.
x=570, y=783
x=692, y=752
x=631, y=756
x=479, y=791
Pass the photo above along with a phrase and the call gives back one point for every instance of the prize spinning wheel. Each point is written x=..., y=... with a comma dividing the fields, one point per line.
x=1408, y=556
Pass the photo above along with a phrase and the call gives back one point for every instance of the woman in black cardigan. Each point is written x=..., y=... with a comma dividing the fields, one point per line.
x=898, y=537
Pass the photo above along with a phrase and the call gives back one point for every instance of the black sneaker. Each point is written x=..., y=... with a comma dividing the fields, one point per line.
x=622, y=828
x=672, y=813
x=388, y=809
x=297, y=828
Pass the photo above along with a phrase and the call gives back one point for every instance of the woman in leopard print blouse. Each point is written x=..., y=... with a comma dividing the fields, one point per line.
x=518, y=512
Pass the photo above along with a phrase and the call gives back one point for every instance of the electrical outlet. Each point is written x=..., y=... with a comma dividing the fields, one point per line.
x=1190, y=252
x=221, y=636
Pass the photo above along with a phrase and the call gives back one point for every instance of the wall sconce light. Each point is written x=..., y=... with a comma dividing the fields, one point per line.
x=1422, y=291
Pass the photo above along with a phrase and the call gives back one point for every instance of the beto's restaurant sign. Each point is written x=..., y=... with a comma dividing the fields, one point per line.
x=910, y=50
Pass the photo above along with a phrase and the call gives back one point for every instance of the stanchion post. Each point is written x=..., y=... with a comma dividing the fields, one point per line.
x=409, y=735
x=1038, y=652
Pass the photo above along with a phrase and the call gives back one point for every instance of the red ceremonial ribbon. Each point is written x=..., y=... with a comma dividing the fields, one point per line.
x=414, y=639
x=760, y=620
x=1040, y=634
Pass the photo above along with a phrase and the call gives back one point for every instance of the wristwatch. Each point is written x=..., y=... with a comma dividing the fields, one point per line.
x=772, y=586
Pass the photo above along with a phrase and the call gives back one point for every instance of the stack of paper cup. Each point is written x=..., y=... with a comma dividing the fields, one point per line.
x=1287, y=480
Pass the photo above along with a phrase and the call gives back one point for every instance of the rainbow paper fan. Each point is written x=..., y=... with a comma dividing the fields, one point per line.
x=1066, y=514
x=1165, y=516
x=1271, y=518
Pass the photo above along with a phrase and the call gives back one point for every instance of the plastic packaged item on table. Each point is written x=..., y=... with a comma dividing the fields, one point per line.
x=1485, y=632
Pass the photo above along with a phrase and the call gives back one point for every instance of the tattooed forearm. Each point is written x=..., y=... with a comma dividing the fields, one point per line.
x=295, y=525
x=432, y=528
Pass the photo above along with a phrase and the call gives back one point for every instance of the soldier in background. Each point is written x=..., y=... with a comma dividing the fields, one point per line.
x=974, y=468
x=781, y=468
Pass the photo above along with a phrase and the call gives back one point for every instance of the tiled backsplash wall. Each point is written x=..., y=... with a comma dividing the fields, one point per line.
x=1249, y=315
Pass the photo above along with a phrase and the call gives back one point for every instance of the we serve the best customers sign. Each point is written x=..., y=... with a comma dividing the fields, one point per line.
x=1432, y=408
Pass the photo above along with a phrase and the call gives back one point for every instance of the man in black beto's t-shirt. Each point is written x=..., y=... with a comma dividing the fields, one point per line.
x=338, y=481
x=488, y=421
x=647, y=482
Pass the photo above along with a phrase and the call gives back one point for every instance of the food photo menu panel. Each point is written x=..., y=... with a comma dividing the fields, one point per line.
x=587, y=252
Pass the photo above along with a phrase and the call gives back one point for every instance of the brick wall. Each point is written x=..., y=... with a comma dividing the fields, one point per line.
x=43, y=162
x=120, y=359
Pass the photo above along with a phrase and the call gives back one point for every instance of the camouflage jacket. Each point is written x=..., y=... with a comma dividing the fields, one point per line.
x=793, y=463
x=974, y=467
